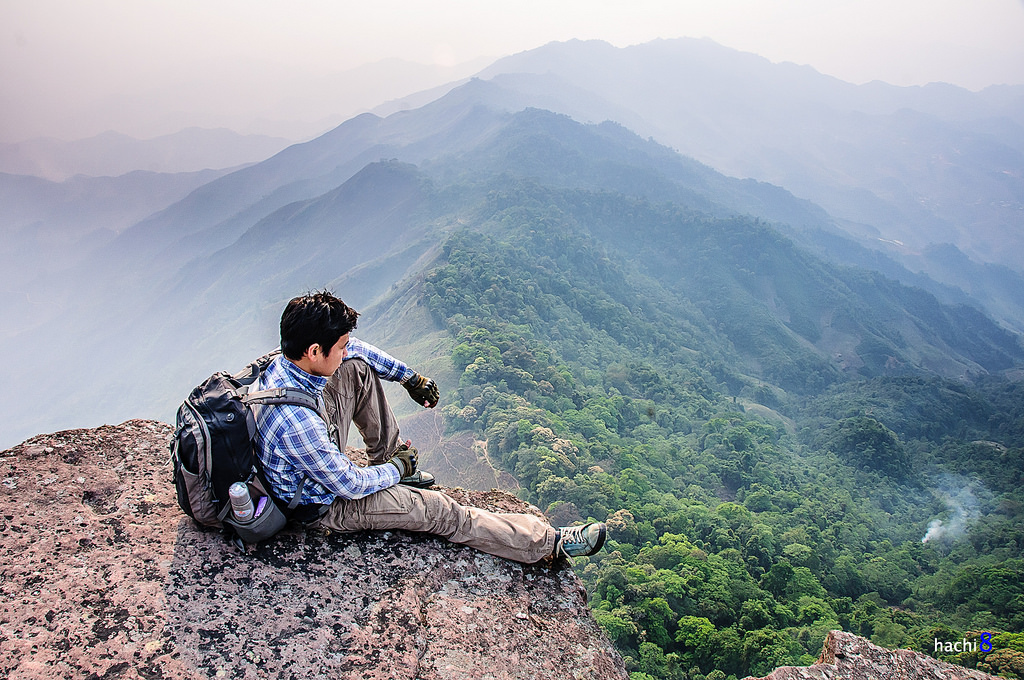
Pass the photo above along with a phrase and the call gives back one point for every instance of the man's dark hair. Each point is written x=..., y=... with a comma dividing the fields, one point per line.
x=314, y=319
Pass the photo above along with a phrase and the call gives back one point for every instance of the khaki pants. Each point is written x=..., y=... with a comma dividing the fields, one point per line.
x=354, y=395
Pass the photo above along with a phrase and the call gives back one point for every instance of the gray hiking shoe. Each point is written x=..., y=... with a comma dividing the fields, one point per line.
x=580, y=541
x=419, y=479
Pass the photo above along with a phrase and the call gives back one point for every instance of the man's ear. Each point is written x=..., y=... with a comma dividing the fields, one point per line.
x=313, y=351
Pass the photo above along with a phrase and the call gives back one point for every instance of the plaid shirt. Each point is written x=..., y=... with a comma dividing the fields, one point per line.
x=383, y=364
x=293, y=442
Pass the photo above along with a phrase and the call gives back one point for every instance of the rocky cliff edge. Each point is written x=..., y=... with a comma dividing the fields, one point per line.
x=102, y=577
x=845, y=656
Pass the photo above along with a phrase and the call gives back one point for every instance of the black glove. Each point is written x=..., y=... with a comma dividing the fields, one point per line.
x=405, y=460
x=423, y=390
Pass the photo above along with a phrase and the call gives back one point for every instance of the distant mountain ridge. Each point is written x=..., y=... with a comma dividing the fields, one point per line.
x=112, y=154
x=900, y=169
x=51, y=228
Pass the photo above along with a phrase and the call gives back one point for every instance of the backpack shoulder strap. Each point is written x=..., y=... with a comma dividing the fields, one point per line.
x=249, y=374
x=296, y=396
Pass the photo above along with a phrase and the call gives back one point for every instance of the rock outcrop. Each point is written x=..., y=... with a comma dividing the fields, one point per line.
x=848, y=657
x=103, y=577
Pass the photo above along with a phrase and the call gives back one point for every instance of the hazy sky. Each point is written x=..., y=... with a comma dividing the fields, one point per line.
x=71, y=68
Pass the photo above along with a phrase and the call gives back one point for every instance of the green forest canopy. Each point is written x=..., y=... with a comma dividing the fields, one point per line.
x=757, y=495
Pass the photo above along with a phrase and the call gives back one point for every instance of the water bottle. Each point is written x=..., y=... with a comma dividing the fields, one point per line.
x=241, y=502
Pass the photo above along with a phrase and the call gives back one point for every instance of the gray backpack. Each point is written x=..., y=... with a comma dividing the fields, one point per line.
x=212, y=448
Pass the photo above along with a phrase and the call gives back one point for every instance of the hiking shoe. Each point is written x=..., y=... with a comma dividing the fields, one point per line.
x=419, y=479
x=580, y=541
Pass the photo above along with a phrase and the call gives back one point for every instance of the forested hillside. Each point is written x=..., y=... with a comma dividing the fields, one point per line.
x=677, y=375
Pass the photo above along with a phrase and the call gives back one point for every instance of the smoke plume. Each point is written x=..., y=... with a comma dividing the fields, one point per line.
x=958, y=493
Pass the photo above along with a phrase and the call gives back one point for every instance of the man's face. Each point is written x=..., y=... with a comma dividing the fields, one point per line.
x=325, y=365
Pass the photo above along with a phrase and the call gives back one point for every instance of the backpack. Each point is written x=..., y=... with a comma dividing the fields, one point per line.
x=212, y=447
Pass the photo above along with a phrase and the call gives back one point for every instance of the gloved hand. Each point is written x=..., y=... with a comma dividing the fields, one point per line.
x=423, y=390
x=405, y=460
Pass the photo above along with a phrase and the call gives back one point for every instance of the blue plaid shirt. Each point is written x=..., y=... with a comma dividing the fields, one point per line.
x=293, y=442
x=385, y=365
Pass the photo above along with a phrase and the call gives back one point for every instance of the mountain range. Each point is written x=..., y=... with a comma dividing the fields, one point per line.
x=900, y=169
x=149, y=309
x=934, y=159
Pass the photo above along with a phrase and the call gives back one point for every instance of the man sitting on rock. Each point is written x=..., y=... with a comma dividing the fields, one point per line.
x=298, y=452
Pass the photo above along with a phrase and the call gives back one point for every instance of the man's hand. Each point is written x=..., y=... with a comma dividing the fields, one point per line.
x=405, y=460
x=423, y=390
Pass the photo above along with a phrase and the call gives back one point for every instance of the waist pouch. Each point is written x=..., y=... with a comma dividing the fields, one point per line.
x=267, y=521
x=309, y=513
